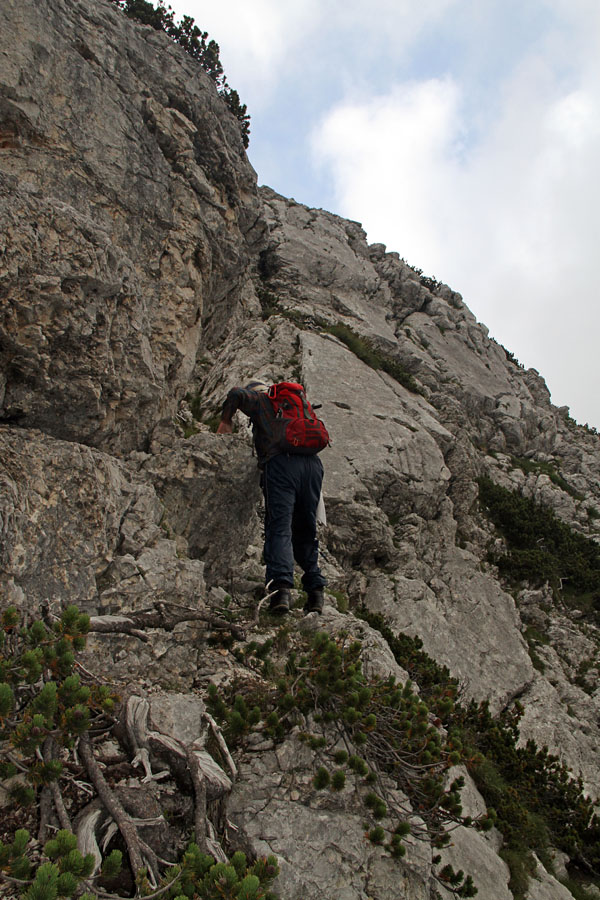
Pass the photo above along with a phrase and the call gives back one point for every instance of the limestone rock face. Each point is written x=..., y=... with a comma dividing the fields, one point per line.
x=63, y=511
x=319, y=840
x=462, y=608
x=209, y=486
x=143, y=274
x=125, y=187
x=79, y=527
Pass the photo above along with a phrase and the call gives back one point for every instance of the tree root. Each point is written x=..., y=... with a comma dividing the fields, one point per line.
x=268, y=594
x=208, y=779
x=200, y=801
x=136, y=848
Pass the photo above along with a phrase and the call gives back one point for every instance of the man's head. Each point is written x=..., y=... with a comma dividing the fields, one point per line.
x=259, y=386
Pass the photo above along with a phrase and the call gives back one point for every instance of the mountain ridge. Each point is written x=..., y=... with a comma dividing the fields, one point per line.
x=143, y=273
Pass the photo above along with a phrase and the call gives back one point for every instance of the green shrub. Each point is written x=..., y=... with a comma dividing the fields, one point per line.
x=322, y=778
x=377, y=835
x=532, y=797
x=44, y=709
x=202, y=878
x=545, y=468
x=42, y=700
x=580, y=890
x=338, y=780
x=457, y=882
x=541, y=548
x=324, y=680
x=536, y=800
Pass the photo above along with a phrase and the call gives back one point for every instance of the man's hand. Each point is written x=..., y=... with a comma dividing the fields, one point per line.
x=225, y=427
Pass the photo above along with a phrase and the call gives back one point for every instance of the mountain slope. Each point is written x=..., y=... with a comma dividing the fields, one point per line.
x=142, y=274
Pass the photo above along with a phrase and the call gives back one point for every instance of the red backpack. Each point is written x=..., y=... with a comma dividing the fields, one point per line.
x=297, y=429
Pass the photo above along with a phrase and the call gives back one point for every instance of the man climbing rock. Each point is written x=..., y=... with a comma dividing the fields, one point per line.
x=291, y=479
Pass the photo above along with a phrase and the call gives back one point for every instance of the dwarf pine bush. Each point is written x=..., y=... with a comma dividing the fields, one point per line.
x=537, y=467
x=44, y=709
x=532, y=797
x=387, y=723
x=541, y=548
x=41, y=697
x=201, y=878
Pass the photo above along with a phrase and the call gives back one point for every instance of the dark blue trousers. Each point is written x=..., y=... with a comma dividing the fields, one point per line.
x=292, y=487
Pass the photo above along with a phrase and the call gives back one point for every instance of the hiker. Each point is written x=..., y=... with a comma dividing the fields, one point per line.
x=291, y=478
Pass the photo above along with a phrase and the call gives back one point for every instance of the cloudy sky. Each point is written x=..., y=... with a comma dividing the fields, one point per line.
x=464, y=134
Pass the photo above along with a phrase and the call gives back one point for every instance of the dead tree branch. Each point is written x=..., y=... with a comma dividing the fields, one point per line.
x=164, y=616
x=199, y=784
x=59, y=804
x=208, y=779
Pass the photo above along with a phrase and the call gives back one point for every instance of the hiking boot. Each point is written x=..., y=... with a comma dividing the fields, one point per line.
x=280, y=602
x=314, y=601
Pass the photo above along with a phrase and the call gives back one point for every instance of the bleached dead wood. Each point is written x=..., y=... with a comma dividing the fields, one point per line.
x=165, y=616
x=208, y=779
x=86, y=835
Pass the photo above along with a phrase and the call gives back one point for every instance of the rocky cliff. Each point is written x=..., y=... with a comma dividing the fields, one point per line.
x=142, y=274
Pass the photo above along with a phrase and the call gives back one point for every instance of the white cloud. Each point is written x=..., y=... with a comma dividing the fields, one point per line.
x=511, y=221
x=256, y=39
x=390, y=157
x=267, y=44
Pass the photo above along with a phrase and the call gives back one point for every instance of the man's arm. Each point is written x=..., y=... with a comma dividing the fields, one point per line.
x=237, y=398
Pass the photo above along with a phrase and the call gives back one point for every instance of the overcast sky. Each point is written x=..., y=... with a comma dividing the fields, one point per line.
x=463, y=134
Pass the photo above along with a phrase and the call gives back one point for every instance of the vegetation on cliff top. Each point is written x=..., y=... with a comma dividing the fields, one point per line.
x=195, y=42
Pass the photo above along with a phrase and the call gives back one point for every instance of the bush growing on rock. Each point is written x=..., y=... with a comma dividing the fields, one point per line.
x=46, y=712
x=201, y=878
x=541, y=548
x=532, y=798
x=401, y=751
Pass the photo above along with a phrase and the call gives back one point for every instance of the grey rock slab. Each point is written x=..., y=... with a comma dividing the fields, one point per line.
x=61, y=509
x=178, y=715
x=209, y=488
x=466, y=622
x=318, y=838
x=379, y=432
x=544, y=886
x=170, y=660
x=470, y=851
x=562, y=717
x=78, y=526
x=320, y=262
